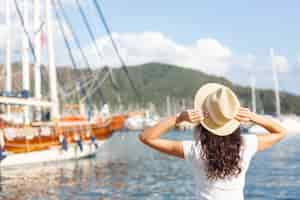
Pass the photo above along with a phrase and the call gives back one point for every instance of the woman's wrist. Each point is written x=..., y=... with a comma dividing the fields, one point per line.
x=253, y=117
x=269, y=124
x=172, y=122
x=178, y=118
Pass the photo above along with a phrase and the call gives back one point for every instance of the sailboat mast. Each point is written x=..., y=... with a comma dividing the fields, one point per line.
x=52, y=67
x=276, y=85
x=37, y=46
x=168, y=102
x=8, y=47
x=253, y=96
x=252, y=81
x=25, y=59
x=8, y=82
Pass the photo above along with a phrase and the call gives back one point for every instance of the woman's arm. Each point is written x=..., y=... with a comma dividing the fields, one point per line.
x=151, y=136
x=265, y=141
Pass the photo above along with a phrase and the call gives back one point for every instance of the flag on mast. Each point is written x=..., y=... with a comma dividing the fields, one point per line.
x=42, y=38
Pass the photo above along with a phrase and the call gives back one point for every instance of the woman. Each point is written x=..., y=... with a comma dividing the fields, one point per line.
x=220, y=155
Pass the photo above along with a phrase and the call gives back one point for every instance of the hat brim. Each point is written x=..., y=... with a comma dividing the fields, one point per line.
x=207, y=123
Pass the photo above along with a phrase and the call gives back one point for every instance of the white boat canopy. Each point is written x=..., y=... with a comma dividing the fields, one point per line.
x=27, y=101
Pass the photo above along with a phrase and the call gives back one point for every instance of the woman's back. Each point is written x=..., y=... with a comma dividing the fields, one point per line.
x=230, y=187
x=221, y=156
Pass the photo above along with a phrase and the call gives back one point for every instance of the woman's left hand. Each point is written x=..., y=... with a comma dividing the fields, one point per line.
x=192, y=116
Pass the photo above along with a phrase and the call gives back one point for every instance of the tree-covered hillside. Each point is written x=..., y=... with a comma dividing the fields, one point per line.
x=155, y=82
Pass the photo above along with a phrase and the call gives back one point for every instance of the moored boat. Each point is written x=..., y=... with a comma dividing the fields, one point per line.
x=46, y=141
x=137, y=121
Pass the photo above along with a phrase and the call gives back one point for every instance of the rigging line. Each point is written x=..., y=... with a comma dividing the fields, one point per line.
x=63, y=12
x=112, y=79
x=86, y=82
x=108, y=74
x=76, y=38
x=96, y=78
x=98, y=86
x=88, y=85
x=21, y=18
x=67, y=89
x=107, y=28
x=71, y=91
x=93, y=85
x=24, y=29
x=77, y=41
x=45, y=70
x=102, y=97
x=85, y=20
x=40, y=28
x=90, y=81
x=100, y=92
x=61, y=28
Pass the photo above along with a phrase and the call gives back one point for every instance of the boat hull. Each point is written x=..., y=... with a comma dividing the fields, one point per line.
x=74, y=141
x=54, y=154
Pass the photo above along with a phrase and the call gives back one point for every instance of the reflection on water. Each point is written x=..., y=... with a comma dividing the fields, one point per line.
x=125, y=169
x=275, y=174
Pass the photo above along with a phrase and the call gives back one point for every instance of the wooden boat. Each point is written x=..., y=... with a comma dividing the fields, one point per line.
x=24, y=140
x=70, y=138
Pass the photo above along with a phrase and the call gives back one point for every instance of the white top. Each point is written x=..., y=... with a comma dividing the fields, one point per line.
x=230, y=188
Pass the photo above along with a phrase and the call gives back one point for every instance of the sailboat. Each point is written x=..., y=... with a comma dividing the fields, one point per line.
x=52, y=136
x=138, y=121
x=290, y=122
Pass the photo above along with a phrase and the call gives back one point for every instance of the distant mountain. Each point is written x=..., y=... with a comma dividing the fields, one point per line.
x=156, y=81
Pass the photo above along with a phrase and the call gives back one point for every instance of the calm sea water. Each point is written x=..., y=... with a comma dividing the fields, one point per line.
x=126, y=169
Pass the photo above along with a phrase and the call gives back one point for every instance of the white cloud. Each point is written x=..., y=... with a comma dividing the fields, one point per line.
x=281, y=63
x=17, y=30
x=298, y=60
x=206, y=54
x=249, y=60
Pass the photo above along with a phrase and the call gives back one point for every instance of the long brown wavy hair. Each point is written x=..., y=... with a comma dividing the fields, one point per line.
x=221, y=153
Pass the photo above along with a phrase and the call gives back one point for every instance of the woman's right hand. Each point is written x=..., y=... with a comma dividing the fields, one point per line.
x=265, y=141
x=244, y=115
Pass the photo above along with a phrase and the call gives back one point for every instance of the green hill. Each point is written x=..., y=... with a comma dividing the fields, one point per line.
x=155, y=82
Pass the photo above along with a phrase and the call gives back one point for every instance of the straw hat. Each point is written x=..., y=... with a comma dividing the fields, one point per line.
x=221, y=105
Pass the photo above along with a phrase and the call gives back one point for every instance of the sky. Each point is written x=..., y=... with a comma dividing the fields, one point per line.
x=224, y=38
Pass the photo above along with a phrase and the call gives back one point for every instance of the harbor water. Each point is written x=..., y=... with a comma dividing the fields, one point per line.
x=126, y=169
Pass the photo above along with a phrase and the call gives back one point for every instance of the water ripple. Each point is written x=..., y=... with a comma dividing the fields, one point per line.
x=125, y=169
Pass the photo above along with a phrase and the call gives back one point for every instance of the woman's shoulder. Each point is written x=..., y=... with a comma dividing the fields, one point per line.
x=249, y=138
x=250, y=143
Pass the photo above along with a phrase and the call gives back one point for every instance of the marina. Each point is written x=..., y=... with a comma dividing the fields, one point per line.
x=88, y=88
x=32, y=135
